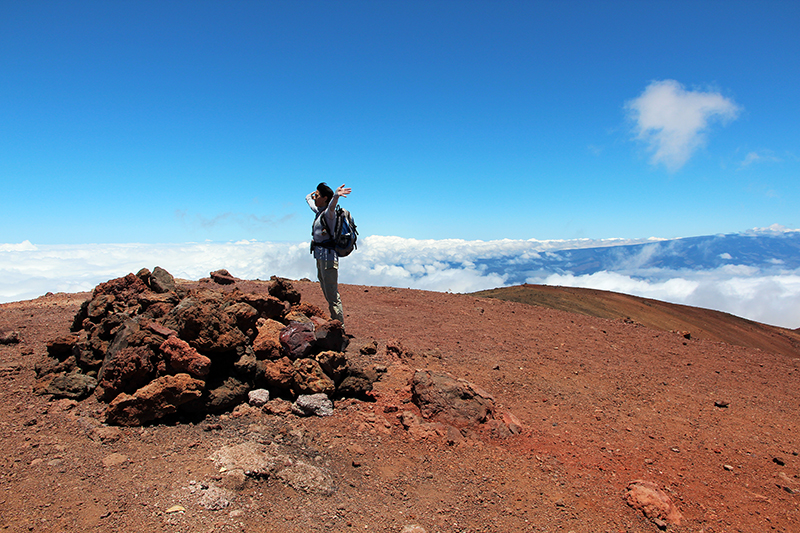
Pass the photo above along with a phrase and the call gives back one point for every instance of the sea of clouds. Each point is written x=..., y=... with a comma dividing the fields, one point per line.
x=768, y=292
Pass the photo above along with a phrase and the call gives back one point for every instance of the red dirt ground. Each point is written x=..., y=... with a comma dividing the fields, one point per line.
x=603, y=402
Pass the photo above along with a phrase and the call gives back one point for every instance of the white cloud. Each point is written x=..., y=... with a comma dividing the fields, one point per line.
x=770, y=293
x=736, y=289
x=673, y=121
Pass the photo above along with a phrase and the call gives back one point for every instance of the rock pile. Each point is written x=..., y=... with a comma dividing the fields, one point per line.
x=150, y=349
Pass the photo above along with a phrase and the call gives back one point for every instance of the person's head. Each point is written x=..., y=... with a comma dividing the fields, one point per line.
x=324, y=195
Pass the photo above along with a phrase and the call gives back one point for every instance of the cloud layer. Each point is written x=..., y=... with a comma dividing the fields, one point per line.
x=767, y=292
x=673, y=121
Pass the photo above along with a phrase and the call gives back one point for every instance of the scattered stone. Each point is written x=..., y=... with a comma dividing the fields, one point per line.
x=787, y=484
x=652, y=502
x=278, y=407
x=9, y=337
x=413, y=528
x=106, y=434
x=223, y=277
x=257, y=460
x=369, y=349
x=115, y=459
x=729, y=468
x=258, y=397
x=779, y=461
x=74, y=385
x=313, y=404
x=395, y=348
x=722, y=404
x=176, y=509
x=216, y=498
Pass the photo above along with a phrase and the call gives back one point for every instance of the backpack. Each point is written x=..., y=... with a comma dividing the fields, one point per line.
x=344, y=235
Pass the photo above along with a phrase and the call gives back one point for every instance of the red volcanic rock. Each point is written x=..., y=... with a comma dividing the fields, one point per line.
x=129, y=369
x=282, y=289
x=310, y=379
x=653, y=502
x=125, y=288
x=159, y=398
x=223, y=277
x=442, y=397
x=184, y=358
x=205, y=325
x=275, y=374
x=267, y=344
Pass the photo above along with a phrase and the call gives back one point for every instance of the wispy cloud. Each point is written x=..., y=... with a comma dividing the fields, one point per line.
x=674, y=121
x=764, y=156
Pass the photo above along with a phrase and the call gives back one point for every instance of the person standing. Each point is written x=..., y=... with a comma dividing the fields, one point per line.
x=323, y=202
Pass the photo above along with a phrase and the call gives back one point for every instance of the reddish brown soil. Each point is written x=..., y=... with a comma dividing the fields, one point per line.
x=603, y=402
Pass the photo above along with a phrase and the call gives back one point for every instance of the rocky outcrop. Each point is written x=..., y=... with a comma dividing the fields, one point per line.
x=448, y=402
x=151, y=349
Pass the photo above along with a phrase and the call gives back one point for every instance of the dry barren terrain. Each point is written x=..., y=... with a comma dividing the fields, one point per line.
x=711, y=426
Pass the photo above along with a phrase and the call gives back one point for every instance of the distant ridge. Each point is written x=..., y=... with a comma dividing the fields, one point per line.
x=699, y=323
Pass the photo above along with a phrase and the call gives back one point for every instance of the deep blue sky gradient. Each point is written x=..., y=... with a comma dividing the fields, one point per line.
x=140, y=121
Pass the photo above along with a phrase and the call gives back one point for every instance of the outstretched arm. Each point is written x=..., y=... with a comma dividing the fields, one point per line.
x=343, y=191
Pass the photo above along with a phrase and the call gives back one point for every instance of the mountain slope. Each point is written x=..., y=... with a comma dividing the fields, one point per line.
x=699, y=323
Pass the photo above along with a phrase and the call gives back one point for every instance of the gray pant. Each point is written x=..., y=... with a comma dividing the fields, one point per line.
x=328, y=274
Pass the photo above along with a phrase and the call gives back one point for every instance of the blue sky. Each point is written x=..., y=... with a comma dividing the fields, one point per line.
x=172, y=122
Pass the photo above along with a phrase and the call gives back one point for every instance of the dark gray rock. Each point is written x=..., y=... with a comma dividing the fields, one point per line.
x=162, y=281
x=74, y=385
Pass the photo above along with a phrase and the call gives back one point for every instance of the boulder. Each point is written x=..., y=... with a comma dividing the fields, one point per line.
x=267, y=306
x=162, y=281
x=100, y=306
x=277, y=374
x=182, y=358
x=61, y=347
x=128, y=369
x=245, y=365
x=297, y=340
x=331, y=337
x=310, y=379
x=444, y=398
x=205, y=325
x=73, y=385
x=154, y=401
x=282, y=289
x=357, y=382
x=267, y=344
x=222, y=277
x=245, y=316
x=124, y=289
x=653, y=502
x=229, y=394
x=313, y=404
x=334, y=364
